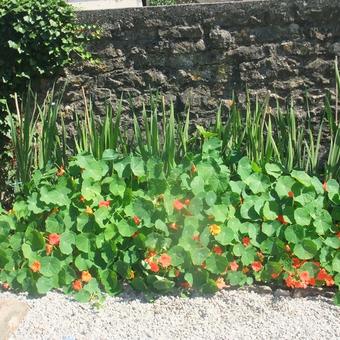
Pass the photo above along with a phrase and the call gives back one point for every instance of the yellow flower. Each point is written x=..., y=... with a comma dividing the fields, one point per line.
x=89, y=210
x=131, y=275
x=214, y=229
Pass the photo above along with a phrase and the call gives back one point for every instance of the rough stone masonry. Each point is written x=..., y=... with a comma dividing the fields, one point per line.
x=200, y=54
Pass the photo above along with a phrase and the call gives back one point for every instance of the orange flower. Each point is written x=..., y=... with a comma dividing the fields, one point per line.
x=257, y=266
x=324, y=186
x=304, y=276
x=135, y=234
x=203, y=265
x=86, y=276
x=260, y=256
x=77, y=285
x=61, y=171
x=54, y=239
x=178, y=205
x=165, y=260
x=217, y=250
x=82, y=198
x=187, y=202
x=151, y=253
x=154, y=267
x=136, y=220
x=246, y=241
x=245, y=270
x=173, y=226
x=196, y=237
x=48, y=249
x=287, y=248
x=220, y=283
x=281, y=219
x=193, y=169
x=290, y=194
x=89, y=210
x=338, y=235
x=233, y=266
x=214, y=229
x=177, y=273
x=35, y=266
x=105, y=204
x=131, y=275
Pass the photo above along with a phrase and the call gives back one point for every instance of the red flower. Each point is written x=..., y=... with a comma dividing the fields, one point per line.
x=178, y=205
x=185, y=284
x=177, y=273
x=82, y=198
x=312, y=281
x=275, y=275
x=217, y=250
x=105, y=204
x=290, y=194
x=324, y=186
x=246, y=241
x=187, y=201
x=154, y=267
x=257, y=266
x=281, y=219
x=296, y=262
x=54, y=239
x=304, y=276
x=234, y=266
x=324, y=276
x=136, y=220
x=165, y=260
x=77, y=285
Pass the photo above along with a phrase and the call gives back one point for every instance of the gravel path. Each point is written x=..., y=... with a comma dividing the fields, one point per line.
x=231, y=314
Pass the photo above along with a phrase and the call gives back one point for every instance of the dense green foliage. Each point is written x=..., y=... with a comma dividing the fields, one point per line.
x=37, y=39
x=98, y=223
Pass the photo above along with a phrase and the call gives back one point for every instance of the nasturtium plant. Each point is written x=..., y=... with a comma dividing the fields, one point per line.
x=105, y=222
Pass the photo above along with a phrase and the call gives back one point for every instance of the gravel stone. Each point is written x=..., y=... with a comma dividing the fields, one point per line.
x=230, y=314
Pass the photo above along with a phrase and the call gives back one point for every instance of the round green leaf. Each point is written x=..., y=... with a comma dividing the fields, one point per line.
x=305, y=250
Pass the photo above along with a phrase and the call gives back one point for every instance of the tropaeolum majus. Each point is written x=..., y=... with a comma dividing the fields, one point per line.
x=102, y=223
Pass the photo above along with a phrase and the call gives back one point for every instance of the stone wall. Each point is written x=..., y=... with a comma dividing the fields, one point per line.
x=202, y=53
